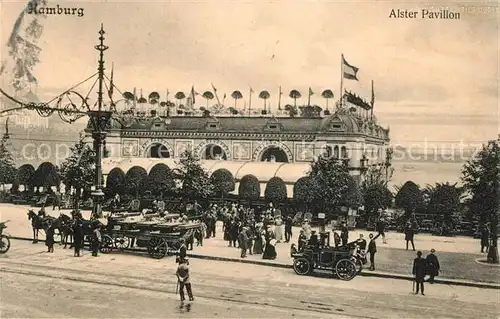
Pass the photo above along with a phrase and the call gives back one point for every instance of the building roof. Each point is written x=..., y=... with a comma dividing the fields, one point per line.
x=341, y=121
x=264, y=171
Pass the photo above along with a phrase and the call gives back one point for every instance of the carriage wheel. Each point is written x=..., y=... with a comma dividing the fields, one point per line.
x=106, y=245
x=302, y=266
x=4, y=244
x=122, y=242
x=345, y=269
x=157, y=247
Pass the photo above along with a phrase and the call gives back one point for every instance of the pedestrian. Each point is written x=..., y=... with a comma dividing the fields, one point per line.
x=258, y=247
x=485, y=238
x=183, y=279
x=182, y=250
x=307, y=228
x=432, y=266
x=419, y=271
x=336, y=239
x=49, y=238
x=409, y=234
x=270, y=249
x=96, y=239
x=243, y=242
x=372, y=250
x=234, y=232
x=57, y=201
x=288, y=228
x=344, y=233
x=278, y=228
x=250, y=241
x=381, y=229
x=77, y=236
x=302, y=240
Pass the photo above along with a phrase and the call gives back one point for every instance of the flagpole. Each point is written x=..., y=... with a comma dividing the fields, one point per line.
x=373, y=102
x=341, y=78
x=249, y=101
x=309, y=97
x=279, y=100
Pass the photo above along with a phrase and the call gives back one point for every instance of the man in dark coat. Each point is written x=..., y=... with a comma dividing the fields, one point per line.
x=432, y=266
x=183, y=279
x=302, y=240
x=288, y=228
x=419, y=271
x=372, y=250
x=344, y=234
x=78, y=236
x=409, y=234
x=243, y=241
x=381, y=229
x=485, y=238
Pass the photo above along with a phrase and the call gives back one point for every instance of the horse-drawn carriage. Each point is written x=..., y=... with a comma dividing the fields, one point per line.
x=4, y=239
x=342, y=261
x=159, y=235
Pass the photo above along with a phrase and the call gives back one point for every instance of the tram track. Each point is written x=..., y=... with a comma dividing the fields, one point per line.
x=210, y=291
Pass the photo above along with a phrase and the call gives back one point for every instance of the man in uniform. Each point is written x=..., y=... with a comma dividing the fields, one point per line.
x=302, y=240
x=183, y=279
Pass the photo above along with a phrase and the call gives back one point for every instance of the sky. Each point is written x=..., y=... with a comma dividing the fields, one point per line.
x=436, y=81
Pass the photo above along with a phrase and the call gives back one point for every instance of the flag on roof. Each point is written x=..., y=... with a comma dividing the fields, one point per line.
x=350, y=71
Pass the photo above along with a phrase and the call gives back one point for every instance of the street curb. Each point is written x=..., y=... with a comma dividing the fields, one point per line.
x=377, y=274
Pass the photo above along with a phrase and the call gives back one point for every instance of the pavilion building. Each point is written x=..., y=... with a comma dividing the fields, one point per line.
x=264, y=146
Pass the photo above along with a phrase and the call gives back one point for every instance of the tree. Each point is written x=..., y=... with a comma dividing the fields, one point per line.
x=136, y=181
x=128, y=96
x=195, y=180
x=236, y=95
x=223, y=182
x=275, y=190
x=330, y=182
x=153, y=97
x=24, y=176
x=480, y=177
x=292, y=110
x=208, y=96
x=249, y=188
x=116, y=181
x=7, y=168
x=303, y=193
x=352, y=197
x=78, y=170
x=409, y=198
x=161, y=180
x=327, y=95
x=264, y=95
x=180, y=96
x=295, y=94
x=376, y=196
x=444, y=200
x=46, y=176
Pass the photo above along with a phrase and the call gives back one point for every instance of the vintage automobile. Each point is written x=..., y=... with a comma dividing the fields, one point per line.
x=340, y=260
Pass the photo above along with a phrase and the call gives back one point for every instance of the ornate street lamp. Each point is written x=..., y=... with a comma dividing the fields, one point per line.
x=69, y=111
x=387, y=164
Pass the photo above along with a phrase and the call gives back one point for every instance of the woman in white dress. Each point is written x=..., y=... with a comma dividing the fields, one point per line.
x=278, y=229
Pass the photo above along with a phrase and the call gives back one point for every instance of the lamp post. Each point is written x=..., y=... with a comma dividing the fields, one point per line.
x=387, y=164
x=69, y=112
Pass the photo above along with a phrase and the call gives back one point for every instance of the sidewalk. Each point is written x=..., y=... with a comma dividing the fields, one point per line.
x=457, y=255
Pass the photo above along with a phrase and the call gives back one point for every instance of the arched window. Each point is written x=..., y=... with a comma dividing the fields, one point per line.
x=328, y=151
x=336, y=152
x=343, y=152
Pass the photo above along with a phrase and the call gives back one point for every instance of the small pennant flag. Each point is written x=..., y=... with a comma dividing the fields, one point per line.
x=350, y=72
x=251, y=90
x=111, y=85
x=310, y=91
x=213, y=87
x=373, y=96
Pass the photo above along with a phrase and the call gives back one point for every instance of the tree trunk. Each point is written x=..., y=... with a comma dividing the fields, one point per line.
x=493, y=250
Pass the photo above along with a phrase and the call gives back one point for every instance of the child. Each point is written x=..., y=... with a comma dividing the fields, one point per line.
x=183, y=279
